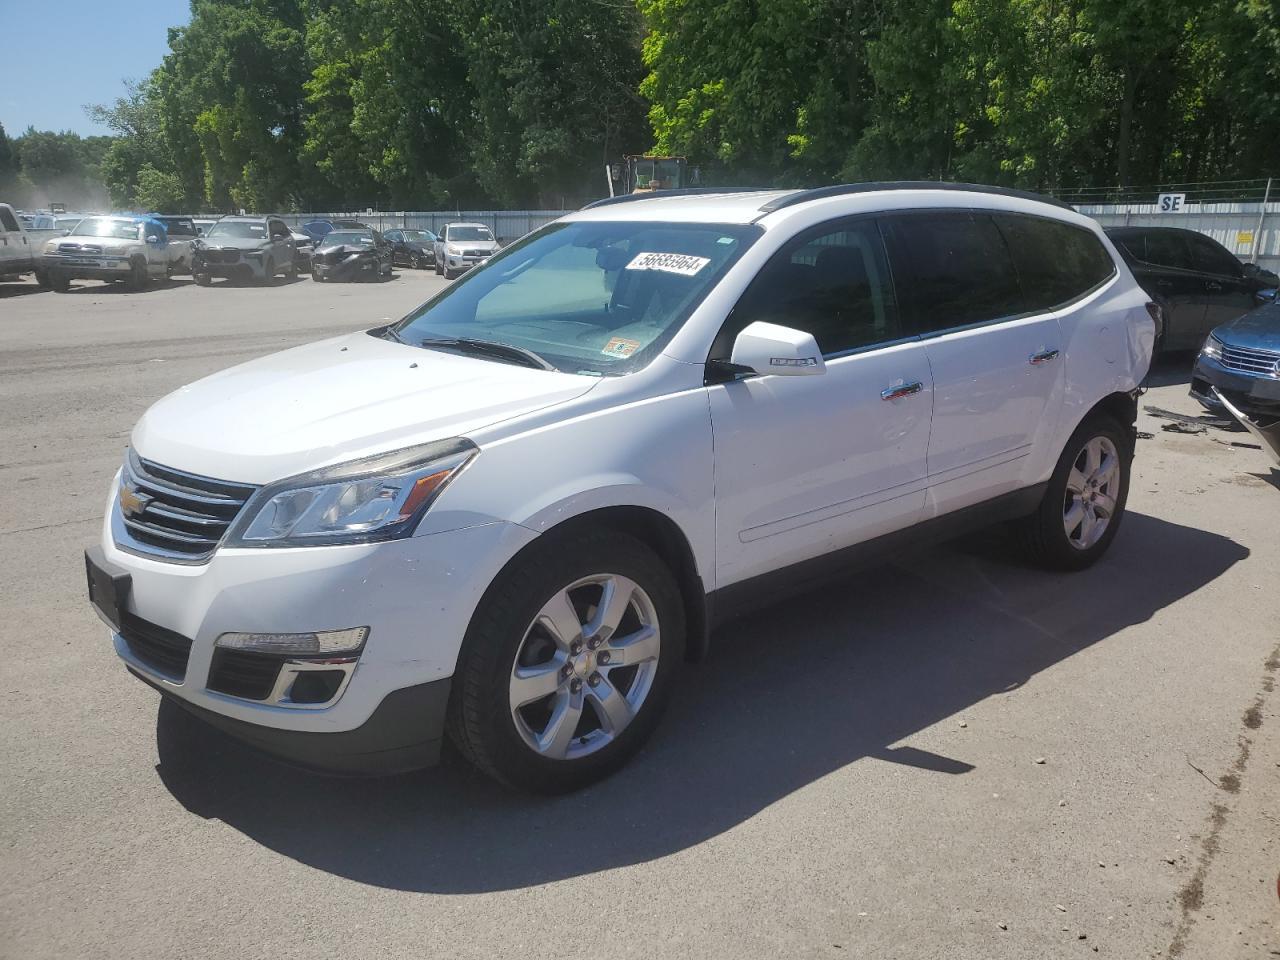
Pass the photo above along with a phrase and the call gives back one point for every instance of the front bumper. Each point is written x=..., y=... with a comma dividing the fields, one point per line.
x=87, y=268
x=346, y=270
x=241, y=269
x=463, y=263
x=416, y=596
x=1253, y=395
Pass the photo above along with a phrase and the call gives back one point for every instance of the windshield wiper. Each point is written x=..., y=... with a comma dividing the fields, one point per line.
x=492, y=349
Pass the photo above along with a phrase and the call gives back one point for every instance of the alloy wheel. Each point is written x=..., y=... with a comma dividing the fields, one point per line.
x=1092, y=487
x=585, y=666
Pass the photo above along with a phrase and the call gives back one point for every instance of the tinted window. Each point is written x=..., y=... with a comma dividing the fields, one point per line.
x=951, y=269
x=6, y=218
x=179, y=227
x=1056, y=262
x=833, y=284
x=1164, y=248
x=1211, y=257
x=393, y=236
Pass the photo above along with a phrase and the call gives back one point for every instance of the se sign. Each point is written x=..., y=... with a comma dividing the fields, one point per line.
x=1171, y=202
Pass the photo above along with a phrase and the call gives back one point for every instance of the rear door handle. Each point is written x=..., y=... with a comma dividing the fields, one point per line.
x=1044, y=356
x=1212, y=285
x=898, y=391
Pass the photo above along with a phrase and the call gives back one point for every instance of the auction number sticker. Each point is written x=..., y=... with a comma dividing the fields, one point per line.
x=620, y=347
x=681, y=263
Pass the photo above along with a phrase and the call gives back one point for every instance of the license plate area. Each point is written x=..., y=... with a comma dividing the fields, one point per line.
x=108, y=587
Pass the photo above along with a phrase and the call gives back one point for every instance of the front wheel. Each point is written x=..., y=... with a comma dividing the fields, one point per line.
x=202, y=279
x=568, y=663
x=1085, y=500
x=138, y=275
x=59, y=283
x=269, y=271
x=43, y=281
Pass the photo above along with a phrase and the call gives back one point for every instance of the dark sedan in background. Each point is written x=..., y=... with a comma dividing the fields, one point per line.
x=1197, y=282
x=351, y=255
x=412, y=248
x=1239, y=371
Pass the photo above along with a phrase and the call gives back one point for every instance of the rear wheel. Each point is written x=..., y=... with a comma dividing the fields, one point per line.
x=1085, y=500
x=568, y=663
x=291, y=271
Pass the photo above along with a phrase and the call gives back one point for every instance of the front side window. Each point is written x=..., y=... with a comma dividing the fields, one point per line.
x=416, y=236
x=952, y=269
x=587, y=297
x=238, y=230
x=832, y=282
x=350, y=238
x=1210, y=257
x=1056, y=262
x=107, y=227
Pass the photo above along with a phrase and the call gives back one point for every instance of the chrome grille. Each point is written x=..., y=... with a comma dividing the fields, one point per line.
x=1258, y=362
x=80, y=248
x=175, y=515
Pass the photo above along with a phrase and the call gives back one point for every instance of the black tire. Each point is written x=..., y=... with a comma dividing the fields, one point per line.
x=138, y=276
x=58, y=283
x=1044, y=534
x=315, y=276
x=291, y=271
x=439, y=268
x=202, y=279
x=269, y=271
x=43, y=281
x=480, y=720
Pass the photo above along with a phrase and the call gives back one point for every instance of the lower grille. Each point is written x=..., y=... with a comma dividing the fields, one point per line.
x=159, y=648
x=1258, y=362
x=90, y=248
x=176, y=515
x=221, y=256
x=240, y=673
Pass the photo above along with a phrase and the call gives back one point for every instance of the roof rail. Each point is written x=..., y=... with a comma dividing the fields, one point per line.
x=845, y=189
x=680, y=192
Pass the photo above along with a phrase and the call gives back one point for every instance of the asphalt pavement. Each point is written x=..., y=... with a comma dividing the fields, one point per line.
x=953, y=756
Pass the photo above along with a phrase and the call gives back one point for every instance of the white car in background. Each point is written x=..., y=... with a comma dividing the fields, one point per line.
x=133, y=250
x=461, y=246
x=508, y=518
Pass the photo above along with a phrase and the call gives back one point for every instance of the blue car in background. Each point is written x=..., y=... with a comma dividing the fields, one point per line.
x=1238, y=371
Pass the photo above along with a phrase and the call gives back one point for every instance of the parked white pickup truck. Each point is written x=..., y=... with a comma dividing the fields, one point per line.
x=131, y=249
x=19, y=255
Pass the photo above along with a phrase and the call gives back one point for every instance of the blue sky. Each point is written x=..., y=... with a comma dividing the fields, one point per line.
x=66, y=53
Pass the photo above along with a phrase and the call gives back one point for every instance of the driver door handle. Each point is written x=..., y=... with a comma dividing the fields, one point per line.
x=898, y=391
x=1044, y=356
x=1212, y=285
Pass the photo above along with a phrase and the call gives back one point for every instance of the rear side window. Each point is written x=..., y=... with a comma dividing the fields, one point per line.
x=832, y=282
x=951, y=269
x=1164, y=248
x=7, y=220
x=1211, y=257
x=1056, y=262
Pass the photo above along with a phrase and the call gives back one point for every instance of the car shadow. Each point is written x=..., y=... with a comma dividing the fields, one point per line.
x=1171, y=369
x=19, y=289
x=816, y=683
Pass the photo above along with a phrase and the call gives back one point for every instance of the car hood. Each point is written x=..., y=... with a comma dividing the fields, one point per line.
x=1257, y=330
x=108, y=244
x=233, y=243
x=337, y=400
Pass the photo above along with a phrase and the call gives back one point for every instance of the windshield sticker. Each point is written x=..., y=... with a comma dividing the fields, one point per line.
x=681, y=263
x=621, y=347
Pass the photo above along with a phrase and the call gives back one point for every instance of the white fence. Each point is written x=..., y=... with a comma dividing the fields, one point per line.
x=1245, y=228
x=507, y=225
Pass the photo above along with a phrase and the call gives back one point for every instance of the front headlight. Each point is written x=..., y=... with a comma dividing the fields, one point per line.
x=364, y=501
x=1212, y=348
x=452, y=249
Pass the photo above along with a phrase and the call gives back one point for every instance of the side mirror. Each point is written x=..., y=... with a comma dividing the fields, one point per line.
x=152, y=238
x=66, y=233
x=199, y=231
x=768, y=348
x=1267, y=296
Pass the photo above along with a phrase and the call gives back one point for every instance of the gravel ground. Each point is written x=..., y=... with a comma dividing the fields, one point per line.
x=951, y=757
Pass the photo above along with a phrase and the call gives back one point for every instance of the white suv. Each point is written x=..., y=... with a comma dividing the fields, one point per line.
x=509, y=517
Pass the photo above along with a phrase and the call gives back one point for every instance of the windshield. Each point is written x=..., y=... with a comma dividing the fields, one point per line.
x=106, y=227
x=413, y=235
x=340, y=237
x=68, y=223
x=468, y=233
x=589, y=297
x=239, y=230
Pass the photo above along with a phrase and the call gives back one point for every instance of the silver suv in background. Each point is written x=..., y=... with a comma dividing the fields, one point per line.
x=462, y=246
x=246, y=248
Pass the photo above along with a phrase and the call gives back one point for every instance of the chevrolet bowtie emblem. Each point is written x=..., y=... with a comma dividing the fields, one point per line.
x=132, y=502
